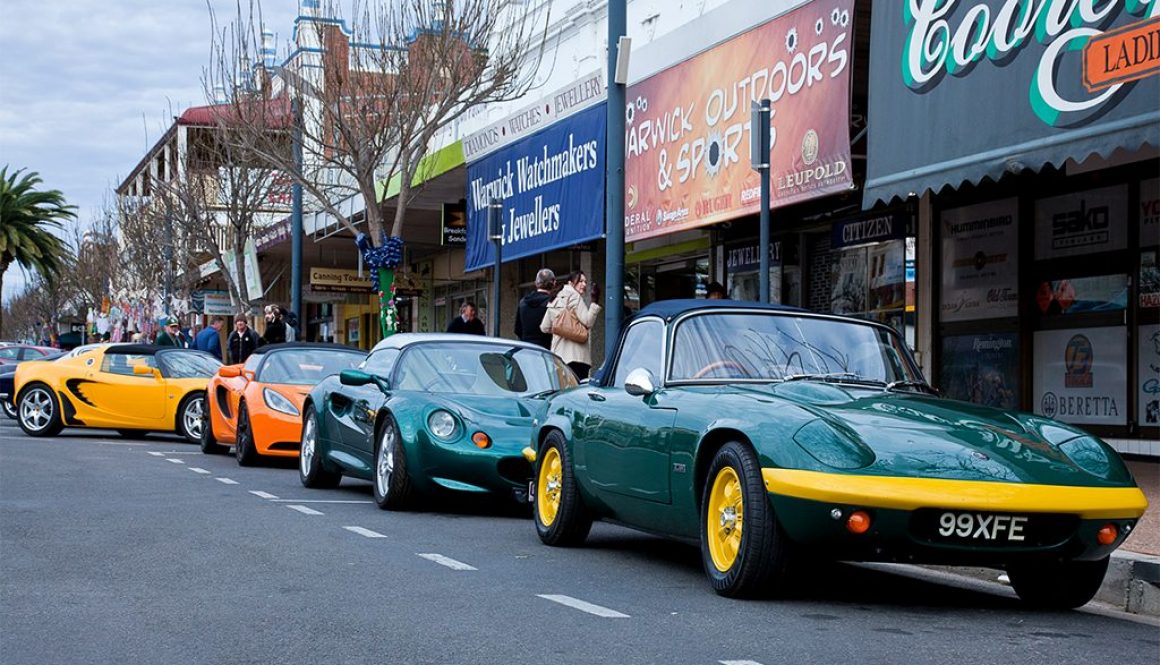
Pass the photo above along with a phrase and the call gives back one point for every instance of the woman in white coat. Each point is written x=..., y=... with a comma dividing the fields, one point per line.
x=578, y=355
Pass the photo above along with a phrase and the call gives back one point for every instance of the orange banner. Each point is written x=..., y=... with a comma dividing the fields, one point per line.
x=1127, y=54
x=687, y=161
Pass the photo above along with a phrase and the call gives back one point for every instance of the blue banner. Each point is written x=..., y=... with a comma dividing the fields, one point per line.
x=551, y=186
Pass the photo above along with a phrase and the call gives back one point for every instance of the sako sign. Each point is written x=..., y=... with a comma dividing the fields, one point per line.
x=687, y=161
x=551, y=186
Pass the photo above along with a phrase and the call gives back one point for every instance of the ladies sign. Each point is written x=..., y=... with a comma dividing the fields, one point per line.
x=687, y=161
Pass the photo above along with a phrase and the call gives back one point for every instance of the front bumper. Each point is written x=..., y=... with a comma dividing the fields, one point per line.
x=811, y=507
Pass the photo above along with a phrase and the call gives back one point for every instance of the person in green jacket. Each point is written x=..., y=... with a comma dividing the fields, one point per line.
x=171, y=334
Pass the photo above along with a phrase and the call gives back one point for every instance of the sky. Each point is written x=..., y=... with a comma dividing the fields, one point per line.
x=87, y=86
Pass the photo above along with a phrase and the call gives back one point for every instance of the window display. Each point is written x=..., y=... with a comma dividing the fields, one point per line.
x=980, y=261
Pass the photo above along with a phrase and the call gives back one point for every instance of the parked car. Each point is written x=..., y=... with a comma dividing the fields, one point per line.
x=257, y=406
x=428, y=413
x=11, y=354
x=761, y=431
x=8, y=382
x=132, y=388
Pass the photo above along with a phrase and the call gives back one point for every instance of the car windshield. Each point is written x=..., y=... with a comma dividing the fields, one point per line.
x=306, y=367
x=481, y=369
x=784, y=347
x=187, y=364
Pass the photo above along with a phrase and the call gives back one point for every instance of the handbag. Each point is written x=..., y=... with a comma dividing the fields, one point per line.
x=567, y=325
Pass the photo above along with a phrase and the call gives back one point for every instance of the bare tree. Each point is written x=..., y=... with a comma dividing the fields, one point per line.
x=93, y=273
x=157, y=256
x=369, y=105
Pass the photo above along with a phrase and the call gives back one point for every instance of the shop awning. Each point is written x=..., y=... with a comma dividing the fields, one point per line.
x=942, y=114
x=433, y=165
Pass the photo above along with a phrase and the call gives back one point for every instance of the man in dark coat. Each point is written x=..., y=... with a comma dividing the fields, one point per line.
x=530, y=312
x=467, y=322
x=275, y=326
x=242, y=341
x=209, y=339
x=171, y=335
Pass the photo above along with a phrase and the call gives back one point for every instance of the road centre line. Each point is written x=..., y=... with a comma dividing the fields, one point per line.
x=175, y=461
x=156, y=454
x=276, y=500
x=200, y=470
x=447, y=561
x=583, y=606
x=226, y=481
x=739, y=662
x=304, y=510
x=364, y=532
x=262, y=495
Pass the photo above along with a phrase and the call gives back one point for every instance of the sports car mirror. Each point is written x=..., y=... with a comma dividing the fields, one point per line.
x=229, y=371
x=640, y=382
x=144, y=370
x=354, y=377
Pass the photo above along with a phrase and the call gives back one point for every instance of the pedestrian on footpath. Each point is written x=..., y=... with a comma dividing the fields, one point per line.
x=209, y=339
x=242, y=341
x=570, y=320
x=171, y=335
x=533, y=307
x=467, y=322
x=275, y=326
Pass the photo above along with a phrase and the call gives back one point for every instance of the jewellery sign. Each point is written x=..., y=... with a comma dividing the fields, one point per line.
x=687, y=161
x=980, y=264
x=999, y=86
x=1081, y=375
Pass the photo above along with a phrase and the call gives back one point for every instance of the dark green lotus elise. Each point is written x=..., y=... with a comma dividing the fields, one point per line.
x=761, y=432
x=430, y=412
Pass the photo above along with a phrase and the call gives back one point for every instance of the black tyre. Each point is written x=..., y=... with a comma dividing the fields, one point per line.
x=9, y=409
x=38, y=411
x=393, y=489
x=743, y=550
x=209, y=444
x=133, y=433
x=244, y=449
x=311, y=471
x=190, y=416
x=1057, y=585
x=561, y=517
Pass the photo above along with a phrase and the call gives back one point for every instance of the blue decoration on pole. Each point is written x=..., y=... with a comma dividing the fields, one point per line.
x=388, y=255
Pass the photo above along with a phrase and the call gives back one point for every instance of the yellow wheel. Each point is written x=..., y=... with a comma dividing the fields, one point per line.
x=726, y=516
x=548, y=487
x=743, y=549
x=560, y=516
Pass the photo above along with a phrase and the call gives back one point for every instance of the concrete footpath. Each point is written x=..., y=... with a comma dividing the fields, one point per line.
x=1133, y=580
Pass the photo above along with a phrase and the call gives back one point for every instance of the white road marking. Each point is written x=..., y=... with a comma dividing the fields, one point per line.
x=364, y=532
x=319, y=501
x=226, y=481
x=304, y=510
x=578, y=604
x=445, y=561
x=199, y=470
x=175, y=461
x=156, y=454
x=262, y=495
x=180, y=452
x=739, y=662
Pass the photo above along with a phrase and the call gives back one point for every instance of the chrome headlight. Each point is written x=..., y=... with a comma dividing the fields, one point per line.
x=442, y=424
x=278, y=402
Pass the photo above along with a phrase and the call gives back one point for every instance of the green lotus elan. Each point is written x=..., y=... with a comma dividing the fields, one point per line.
x=765, y=432
x=430, y=412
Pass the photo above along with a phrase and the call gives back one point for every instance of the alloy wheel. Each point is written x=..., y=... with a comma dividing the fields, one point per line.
x=36, y=409
x=194, y=417
x=725, y=519
x=306, y=455
x=385, y=464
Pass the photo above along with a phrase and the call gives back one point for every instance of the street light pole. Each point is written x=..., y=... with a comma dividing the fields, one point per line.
x=495, y=234
x=614, y=167
x=759, y=148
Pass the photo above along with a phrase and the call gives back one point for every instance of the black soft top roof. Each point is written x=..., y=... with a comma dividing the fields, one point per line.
x=282, y=346
x=668, y=309
x=143, y=349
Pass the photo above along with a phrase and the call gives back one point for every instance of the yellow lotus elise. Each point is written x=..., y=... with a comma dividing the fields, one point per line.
x=132, y=388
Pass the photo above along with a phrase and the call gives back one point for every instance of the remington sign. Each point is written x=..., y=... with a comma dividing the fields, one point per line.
x=999, y=86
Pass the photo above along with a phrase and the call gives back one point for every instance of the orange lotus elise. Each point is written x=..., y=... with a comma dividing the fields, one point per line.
x=257, y=406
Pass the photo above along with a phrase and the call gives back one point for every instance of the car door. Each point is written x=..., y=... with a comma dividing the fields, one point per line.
x=624, y=440
x=360, y=405
x=114, y=395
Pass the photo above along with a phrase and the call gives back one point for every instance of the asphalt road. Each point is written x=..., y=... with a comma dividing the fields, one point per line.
x=115, y=551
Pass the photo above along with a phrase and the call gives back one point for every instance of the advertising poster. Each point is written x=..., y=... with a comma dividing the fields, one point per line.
x=983, y=369
x=1150, y=212
x=1084, y=294
x=887, y=275
x=1149, y=280
x=1082, y=223
x=1149, y=373
x=848, y=295
x=980, y=261
x=687, y=157
x=1081, y=375
x=550, y=186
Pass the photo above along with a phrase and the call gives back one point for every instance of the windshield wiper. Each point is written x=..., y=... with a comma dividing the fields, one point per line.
x=543, y=393
x=836, y=377
x=905, y=383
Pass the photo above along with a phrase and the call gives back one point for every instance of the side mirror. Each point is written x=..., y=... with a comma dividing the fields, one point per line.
x=145, y=370
x=229, y=371
x=355, y=377
x=640, y=383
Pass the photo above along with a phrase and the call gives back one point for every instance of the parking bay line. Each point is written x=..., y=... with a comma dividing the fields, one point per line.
x=175, y=461
x=277, y=500
x=226, y=481
x=200, y=470
x=262, y=495
x=447, y=561
x=576, y=603
x=156, y=454
x=304, y=510
x=364, y=532
x=739, y=662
